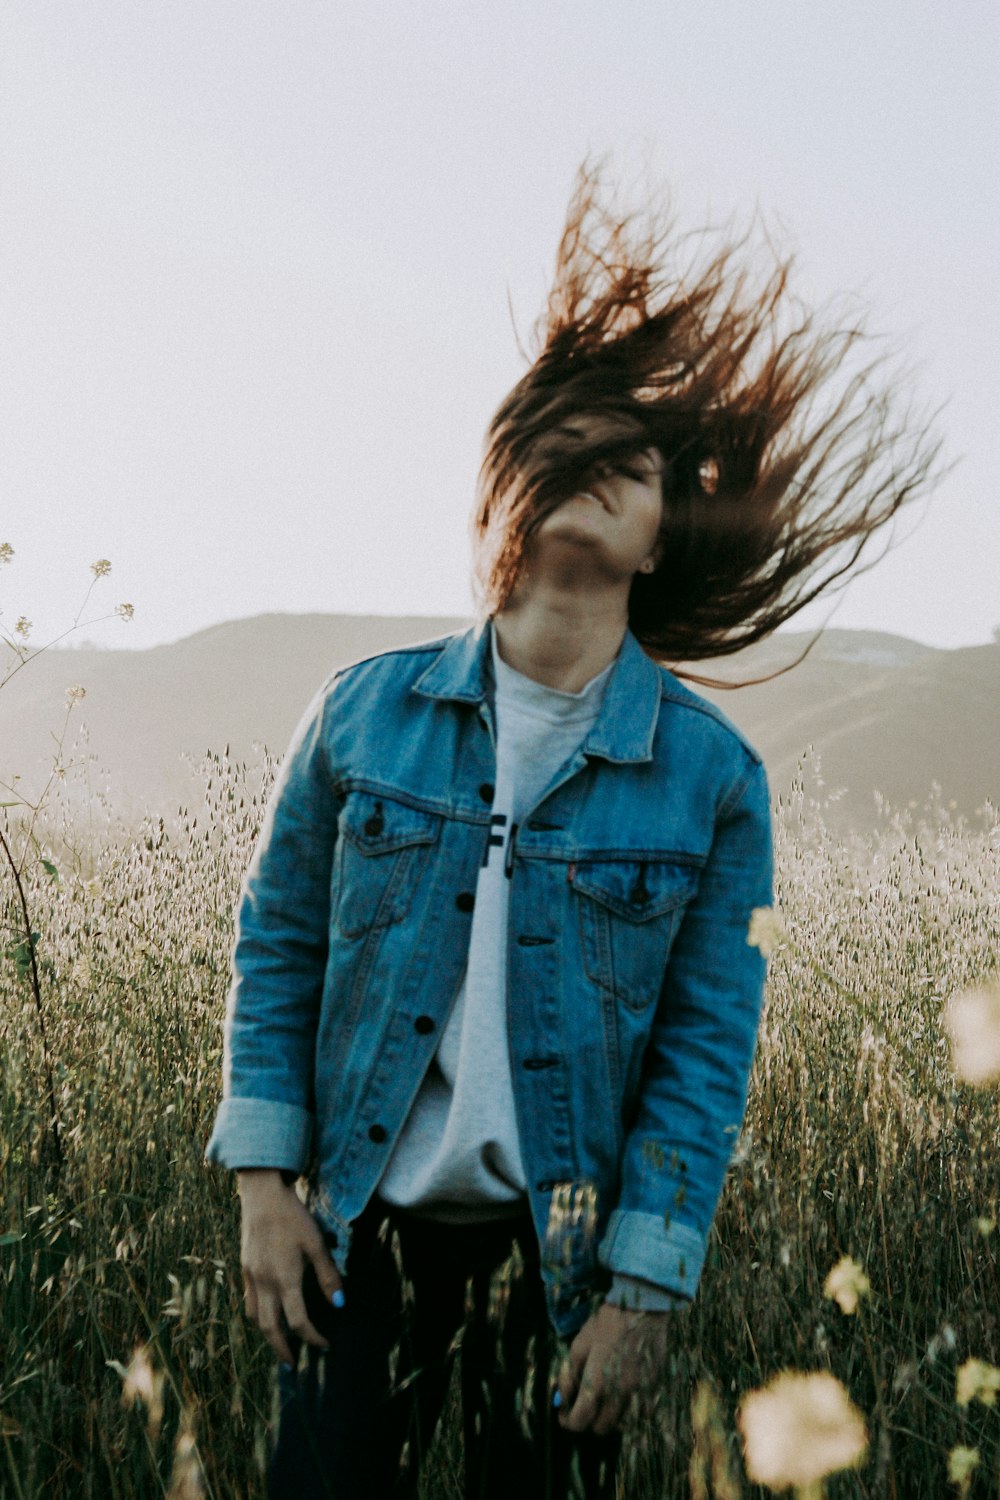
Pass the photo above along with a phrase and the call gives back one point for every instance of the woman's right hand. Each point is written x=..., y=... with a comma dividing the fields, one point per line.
x=279, y=1237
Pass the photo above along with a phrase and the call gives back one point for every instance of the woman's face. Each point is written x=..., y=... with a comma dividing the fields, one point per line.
x=613, y=521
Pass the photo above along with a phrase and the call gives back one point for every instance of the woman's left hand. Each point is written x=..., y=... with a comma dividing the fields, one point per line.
x=617, y=1351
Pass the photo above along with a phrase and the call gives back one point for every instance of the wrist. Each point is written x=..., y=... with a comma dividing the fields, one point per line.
x=263, y=1179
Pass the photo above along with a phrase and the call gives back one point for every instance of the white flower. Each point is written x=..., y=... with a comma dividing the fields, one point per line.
x=141, y=1382
x=767, y=930
x=846, y=1283
x=799, y=1428
x=972, y=1021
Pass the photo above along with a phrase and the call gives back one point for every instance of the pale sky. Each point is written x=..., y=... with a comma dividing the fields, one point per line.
x=255, y=262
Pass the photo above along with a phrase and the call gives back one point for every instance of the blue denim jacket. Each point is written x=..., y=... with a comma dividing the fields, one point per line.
x=633, y=996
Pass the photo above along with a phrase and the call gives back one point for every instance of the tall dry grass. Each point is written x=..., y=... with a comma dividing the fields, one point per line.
x=858, y=1143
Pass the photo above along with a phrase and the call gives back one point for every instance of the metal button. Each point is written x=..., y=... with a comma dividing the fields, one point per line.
x=486, y=791
x=465, y=901
x=376, y=1133
x=424, y=1024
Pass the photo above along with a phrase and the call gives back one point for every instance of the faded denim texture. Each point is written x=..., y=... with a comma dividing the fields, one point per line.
x=633, y=996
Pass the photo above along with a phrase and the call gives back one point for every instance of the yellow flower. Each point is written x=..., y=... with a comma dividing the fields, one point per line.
x=74, y=694
x=766, y=930
x=961, y=1462
x=846, y=1283
x=101, y=568
x=23, y=628
x=976, y=1380
x=972, y=1021
x=986, y=1226
x=6, y=552
x=125, y=611
x=798, y=1428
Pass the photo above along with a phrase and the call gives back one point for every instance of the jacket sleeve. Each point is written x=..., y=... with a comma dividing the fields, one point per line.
x=698, y=1060
x=266, y=1115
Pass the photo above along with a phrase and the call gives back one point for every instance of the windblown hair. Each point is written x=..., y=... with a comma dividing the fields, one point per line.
x=781, y=453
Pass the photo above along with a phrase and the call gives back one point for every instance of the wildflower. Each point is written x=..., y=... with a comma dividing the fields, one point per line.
x=976, y=1380
x=986, y=1226
x=799, y=1428
x=767, y=930
x=75, y=694
x=23, y=628
x=972, y=1020
x=142, y=1383
x=961, y=1462
x=6, y=552
x=125, y=611
x=846, y=1283
x=101, y=568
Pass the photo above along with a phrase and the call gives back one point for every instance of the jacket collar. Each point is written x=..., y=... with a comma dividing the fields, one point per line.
x=626, y=724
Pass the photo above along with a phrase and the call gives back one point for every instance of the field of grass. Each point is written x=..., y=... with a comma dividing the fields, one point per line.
x=858, y=1142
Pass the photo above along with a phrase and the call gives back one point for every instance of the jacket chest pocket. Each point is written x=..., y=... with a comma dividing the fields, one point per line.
x=629, y=913
x=382, y=849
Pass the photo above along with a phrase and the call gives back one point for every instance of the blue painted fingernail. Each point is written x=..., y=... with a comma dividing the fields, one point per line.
x=557, y=1399
x=338, y=1297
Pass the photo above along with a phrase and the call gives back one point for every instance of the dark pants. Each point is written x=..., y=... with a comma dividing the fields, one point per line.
x=357, y=1421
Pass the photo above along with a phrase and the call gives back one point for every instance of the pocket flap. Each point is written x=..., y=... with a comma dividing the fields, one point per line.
x=378, y=825
x=637, y=889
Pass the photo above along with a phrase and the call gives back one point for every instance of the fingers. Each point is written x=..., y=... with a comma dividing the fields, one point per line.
x=596, y=1379
x=571, y=1371
x=611, y=1412
x=285, y=1261
x=601, y=1397
x=330, y=1283
x=585, y=1408
x=269, y=1323
x=297, y=1318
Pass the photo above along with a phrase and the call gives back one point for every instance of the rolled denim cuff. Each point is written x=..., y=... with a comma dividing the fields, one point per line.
x=642, y=1245
x=634, y=1293
x=260, y=1133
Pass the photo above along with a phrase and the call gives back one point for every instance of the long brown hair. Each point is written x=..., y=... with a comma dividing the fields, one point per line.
x=782, y=452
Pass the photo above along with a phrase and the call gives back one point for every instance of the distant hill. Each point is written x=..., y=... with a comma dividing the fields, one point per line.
x=885, y=714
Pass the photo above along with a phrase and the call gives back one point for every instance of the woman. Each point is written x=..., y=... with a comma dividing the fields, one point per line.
x=493, y=994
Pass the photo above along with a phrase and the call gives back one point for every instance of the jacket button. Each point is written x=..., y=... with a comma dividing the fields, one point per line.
x=486, y=791
x=424, y=1024
x=376, y=1133
x=465, y=901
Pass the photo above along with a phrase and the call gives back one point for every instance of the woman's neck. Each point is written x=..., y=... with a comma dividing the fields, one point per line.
x=560, y=641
